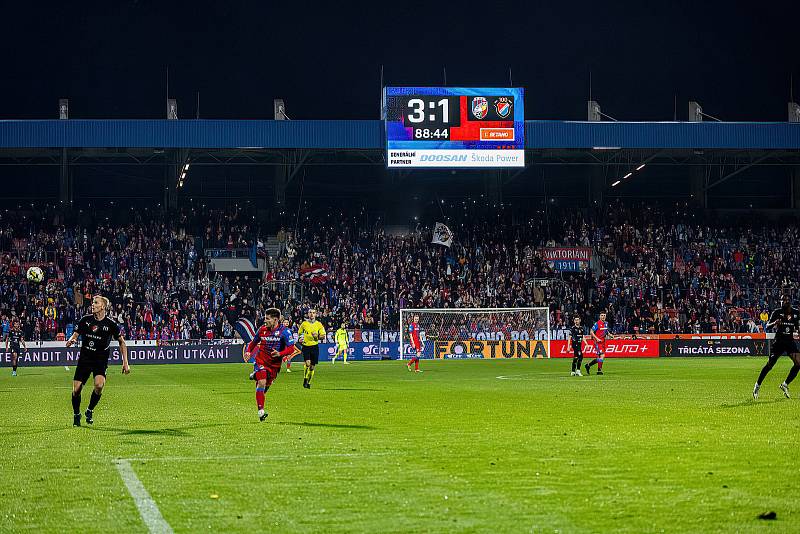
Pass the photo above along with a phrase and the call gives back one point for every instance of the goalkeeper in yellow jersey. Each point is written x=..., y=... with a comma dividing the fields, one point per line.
x=342, y=342
x=311, y=332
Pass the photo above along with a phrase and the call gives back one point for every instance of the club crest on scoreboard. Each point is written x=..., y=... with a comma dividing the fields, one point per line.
x=480, y=107
x=503, y=106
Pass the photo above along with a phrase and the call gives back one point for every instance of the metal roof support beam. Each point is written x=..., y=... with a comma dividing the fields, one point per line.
x=737, y=171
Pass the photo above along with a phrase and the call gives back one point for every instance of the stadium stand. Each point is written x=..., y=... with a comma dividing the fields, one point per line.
x=658, y=269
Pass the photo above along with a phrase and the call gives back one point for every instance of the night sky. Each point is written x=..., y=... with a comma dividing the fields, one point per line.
x=110, y=58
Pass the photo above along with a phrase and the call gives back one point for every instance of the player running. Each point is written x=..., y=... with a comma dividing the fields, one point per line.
x=288, y=359
x=311, y=332
x=576, y=332
x=96, y=331
x=786, y=321
x=342, y=344
x=599, y=333
x=271, y=344
x=14, y=339
x=416, y=344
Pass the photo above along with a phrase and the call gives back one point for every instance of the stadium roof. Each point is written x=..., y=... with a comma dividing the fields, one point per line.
x=369, y=134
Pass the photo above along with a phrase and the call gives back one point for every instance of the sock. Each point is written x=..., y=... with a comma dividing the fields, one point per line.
x=260, y=398
x=288, y=364
x=94, y=400
x=591, y=363
x=792, y=374
x=344, y=356
x=310, y=375
x=416, y=364
x=574, y=363
x=766, y=369
x=14, y=367
x=306, y=373
x=599, y=365
x=76, y=403
x=580, y=361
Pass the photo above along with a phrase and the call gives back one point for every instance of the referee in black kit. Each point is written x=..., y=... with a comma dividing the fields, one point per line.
x=96, y=331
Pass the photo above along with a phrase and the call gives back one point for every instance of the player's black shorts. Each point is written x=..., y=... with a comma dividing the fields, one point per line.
x=14, y=348
x=89, y=367
x=577, y=350
x=311, y=353
x=783, y=346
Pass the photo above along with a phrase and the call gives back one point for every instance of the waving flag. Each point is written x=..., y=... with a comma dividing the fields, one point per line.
x=245, y=328
x=442, y=235
x=316, y=274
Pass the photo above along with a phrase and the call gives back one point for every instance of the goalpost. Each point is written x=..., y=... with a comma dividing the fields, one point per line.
x=460, y=333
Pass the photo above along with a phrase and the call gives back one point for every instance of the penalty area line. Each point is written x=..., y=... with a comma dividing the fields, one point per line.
x=150, y=513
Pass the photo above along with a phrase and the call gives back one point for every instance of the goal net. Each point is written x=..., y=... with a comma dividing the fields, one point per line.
x=461, y=333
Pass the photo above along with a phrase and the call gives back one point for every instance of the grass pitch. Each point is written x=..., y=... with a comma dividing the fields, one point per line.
x=673, y=445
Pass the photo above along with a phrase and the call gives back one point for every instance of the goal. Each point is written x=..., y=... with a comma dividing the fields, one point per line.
x=459, y=333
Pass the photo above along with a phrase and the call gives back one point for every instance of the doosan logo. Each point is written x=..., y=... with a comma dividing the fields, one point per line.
x=443, y=157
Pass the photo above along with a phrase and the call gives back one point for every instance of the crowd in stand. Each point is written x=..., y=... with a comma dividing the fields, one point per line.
x=655, y=270
x=151, y=267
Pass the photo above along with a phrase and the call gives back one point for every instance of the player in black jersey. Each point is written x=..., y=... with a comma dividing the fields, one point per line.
x=786, y=321
x=576, y=332
x=96, y=331
x=13, y=341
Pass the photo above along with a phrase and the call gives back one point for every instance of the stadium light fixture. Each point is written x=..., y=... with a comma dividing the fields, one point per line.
x=640, y=167
x=615, y=184
x=627, y=176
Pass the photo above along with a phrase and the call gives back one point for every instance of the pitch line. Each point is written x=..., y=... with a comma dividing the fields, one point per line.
x=249, y=457
x=512, y=377
x=144, y=502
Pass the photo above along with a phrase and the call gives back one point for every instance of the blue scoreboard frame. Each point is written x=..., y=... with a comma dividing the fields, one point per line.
x=454, y=127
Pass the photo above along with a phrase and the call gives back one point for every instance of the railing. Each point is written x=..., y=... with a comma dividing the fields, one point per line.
x=286, y=289
x=233, y=253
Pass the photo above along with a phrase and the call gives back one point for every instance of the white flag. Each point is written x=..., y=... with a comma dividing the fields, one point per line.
x=442, y=235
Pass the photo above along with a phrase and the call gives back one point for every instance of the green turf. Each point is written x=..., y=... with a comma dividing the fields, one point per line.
x=673, y=445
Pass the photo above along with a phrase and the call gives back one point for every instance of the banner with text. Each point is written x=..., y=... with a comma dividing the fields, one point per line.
x=567, y=259
x=221, y=351
x=615, y=348
x=489, y=349
x=715, y=347
x=754, y=335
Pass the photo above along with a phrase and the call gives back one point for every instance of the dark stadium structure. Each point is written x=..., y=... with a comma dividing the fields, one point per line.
x=715, y=165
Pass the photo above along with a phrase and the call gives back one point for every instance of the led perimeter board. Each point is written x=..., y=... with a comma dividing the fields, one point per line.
x=454, y=127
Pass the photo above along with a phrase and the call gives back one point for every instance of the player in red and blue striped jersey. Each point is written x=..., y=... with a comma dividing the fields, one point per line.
x=599, y=334
x=416, y=344
x=270, y=345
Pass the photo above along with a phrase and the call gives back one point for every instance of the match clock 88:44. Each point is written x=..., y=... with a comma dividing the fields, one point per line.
x=431, y=116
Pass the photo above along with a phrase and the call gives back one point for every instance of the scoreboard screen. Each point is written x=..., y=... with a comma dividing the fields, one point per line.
x=454, y=127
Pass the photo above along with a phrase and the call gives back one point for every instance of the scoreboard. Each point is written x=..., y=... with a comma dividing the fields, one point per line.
x=454, y=127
